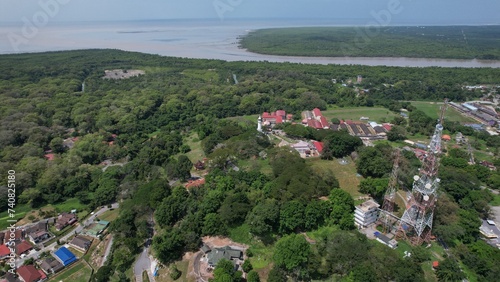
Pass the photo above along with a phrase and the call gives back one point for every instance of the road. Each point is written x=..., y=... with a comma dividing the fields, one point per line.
x=107, y=251
x=143, y=263
x=78, y=229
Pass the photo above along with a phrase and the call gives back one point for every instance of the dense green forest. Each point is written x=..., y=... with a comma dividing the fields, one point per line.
x=447, y=42
x=143, y=123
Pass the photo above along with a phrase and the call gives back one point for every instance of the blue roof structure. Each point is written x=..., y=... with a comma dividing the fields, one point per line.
x=65, y=256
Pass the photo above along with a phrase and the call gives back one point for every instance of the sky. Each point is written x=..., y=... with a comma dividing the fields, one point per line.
x=395, y=11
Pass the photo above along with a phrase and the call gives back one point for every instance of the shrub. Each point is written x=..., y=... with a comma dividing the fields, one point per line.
x=175, y=273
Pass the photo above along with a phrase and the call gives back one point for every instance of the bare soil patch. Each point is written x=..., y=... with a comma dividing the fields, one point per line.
x=122, y=74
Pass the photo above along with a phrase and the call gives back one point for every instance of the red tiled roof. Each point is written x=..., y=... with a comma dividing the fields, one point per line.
x=18, y=234
x=279, y=119
x=4, y=251
x=23, y=247
x=29, y=273
x=280, y=113
x=265, y=114
x=318, y=145
x=446, y=137
x=387, y=127
x=316, y=112
x=195, y=183
x=323, y=121
x=289, y=116
x=50, y=157
x=435, y=264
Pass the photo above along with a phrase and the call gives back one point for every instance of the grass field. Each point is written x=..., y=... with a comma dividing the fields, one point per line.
x=373, y=113
x=79, y=272
x=110, y=215
x=194, y=143
x=496, y=201
x=345, y=174
x=21, y=211
x=262, y=253
x=450, y=42
x=433, y=109
x=182, y=266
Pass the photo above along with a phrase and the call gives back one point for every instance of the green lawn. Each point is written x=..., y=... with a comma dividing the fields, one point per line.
x=262, y=164
x=496, y=200
x=433, y=110
x=20, y=212
x=345, y=174
x=182, y=266
x=355, y=113
x=78, y=272
x=110, y=215
x=194, y=143
x=205, y=75
x=262, y=253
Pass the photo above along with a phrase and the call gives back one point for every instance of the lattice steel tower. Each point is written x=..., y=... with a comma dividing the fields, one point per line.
x=416, y=222
x=386, y=217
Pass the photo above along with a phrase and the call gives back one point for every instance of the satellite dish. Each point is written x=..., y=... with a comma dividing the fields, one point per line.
x=428, y=186
x=416, y=177
x=426, y=198
x=438, y=180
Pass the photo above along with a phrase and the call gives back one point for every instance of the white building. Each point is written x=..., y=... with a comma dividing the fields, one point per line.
x=366, y=213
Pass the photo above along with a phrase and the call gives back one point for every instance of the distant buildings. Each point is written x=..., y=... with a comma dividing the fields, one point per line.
x=481, y=112
x=315, y=119
x=81, y=243
x=366, y=214
x=216, y=254
x=28, y=273
x=64, y=220
x=273, y=118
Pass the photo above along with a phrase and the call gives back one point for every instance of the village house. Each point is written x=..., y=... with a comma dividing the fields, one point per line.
x=4, y=252
x=233, y=255
x=38, y=232
x=51, y=266
x=64, y=220
x=273, y=118
x=81, y=243
x=28, y=273
x=23, y=248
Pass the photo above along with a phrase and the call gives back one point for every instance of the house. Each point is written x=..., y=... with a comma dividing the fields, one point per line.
x=435, y=264
x=317, y=113
x=195, y=183
x=81, y=243
x=64, y=256
x=273, y=118
x=4, y=252
x=487, y=164
x=301, y=147
x=227, y=252
x=314, y=124
x=10, y=277
x=17, y=235
x=205, y=249
x=319, y=146
x=366, y=213
x=446, y=137
x=23, y=248
x=38, y=232
x=28, y=273
x=391, y=243
x=64, y=220
x=51, y=266
x=199, y=165
x=50, y=157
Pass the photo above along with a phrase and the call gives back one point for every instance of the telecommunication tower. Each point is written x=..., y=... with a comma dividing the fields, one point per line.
x=386, y=217
x=416, y=222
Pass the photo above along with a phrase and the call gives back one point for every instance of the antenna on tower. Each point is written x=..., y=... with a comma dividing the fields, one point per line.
x=416, y=222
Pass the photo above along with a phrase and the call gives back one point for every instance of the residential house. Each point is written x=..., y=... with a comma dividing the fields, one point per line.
x=302, y=147
x=51, y=266
x=23, y=248
x=64, y=220
x=366, y=213
x=65, y=256
x=4, y=252
x=391, y=243
x=17, y=235
x=319, y=146
x=277, y=117
x=28, y=273
x=81, y=243
x=213, y=257
x=38, y=232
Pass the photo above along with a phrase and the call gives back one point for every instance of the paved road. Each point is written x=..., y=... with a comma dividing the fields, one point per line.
x=78, y=229
x=143, y=263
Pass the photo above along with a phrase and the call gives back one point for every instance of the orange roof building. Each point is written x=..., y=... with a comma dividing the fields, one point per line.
x=446, y=137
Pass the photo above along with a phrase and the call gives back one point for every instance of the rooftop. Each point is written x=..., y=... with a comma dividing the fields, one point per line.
x=368, y=205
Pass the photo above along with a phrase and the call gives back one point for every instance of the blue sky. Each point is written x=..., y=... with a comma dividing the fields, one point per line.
x=412, y=11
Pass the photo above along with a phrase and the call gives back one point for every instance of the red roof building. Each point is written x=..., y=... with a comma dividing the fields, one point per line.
x=195, y=183
x=18, y=235
x=319, y=146
x=317, y=112
x=446, y=137
x=324, y=122
x=4, y=251
x=314, y=124
x=435, y=264
x=28, y=273
x=387, y=126
x=23, y=247
x=50, y=157
x=274, y=117
x=289, y=117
